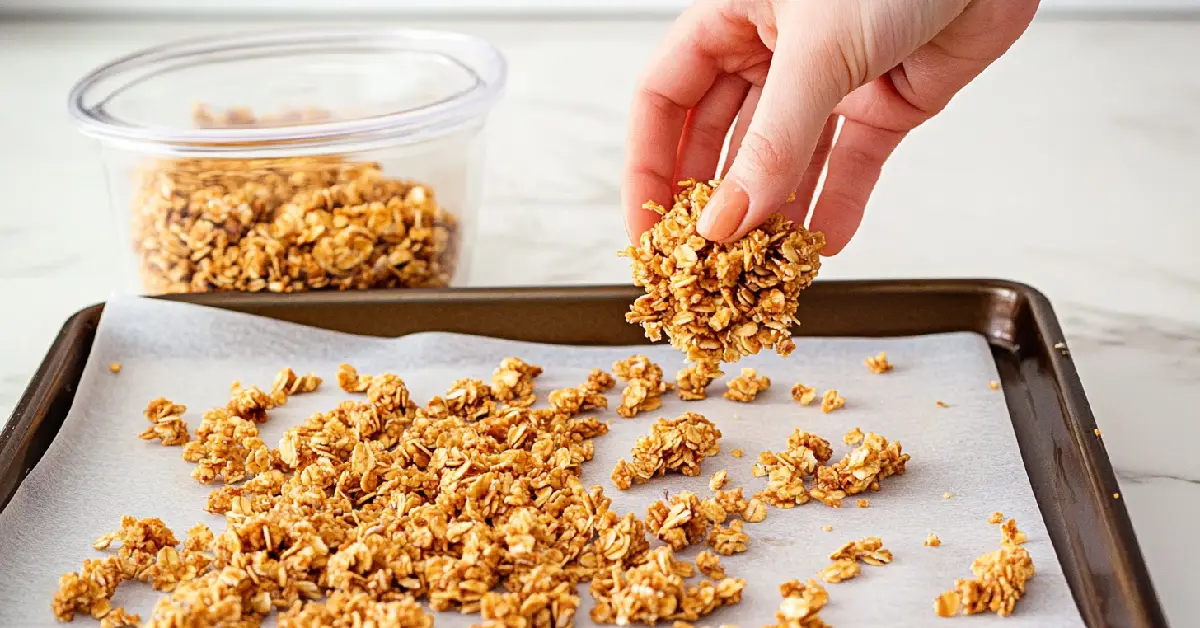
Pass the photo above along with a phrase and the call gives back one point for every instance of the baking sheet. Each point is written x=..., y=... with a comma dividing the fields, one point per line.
x=97, y=469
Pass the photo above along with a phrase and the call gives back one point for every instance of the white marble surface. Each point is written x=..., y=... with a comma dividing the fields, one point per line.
x=1069, y=165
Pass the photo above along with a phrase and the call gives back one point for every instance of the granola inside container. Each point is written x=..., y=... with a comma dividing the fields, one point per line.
x=295, y=161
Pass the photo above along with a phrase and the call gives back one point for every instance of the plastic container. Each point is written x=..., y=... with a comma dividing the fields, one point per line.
x=293, y=161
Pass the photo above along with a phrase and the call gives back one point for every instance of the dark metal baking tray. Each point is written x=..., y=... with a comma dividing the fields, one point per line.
x=1067, y=465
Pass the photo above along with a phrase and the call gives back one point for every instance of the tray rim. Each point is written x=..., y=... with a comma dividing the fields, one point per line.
x=1072, y=399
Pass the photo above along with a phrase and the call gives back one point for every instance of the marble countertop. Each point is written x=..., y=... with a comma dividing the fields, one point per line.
x=1069, y=165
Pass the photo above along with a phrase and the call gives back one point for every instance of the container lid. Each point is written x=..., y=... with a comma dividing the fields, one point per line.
x=290, y=93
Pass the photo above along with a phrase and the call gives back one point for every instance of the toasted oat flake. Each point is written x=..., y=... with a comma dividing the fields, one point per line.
x=932, y=540
x=737, y=453
x=827, y=528
x=869, y=550
x=999, y=582
x=864, y=503
x=349, y=379
x=719, y=302
x=709, y=564
x=691, y=383
x=803, y=394
x=114, y=368
x=879, y=363
x=853, y=437
x=997, y=517
x=942, y=404
x=677, y=444
x=831, y=401
x=745, y=387
x=718, y=480
x=947, y=495
x=728, y=540
x=839, y=570
x=288, y=383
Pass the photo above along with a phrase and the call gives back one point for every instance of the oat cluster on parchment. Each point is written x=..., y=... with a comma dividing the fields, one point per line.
x=678, y=444
x=644, y=385
x=287, y=224
x=999, y=582
x=801, y=605
x=745, y=387
x=692, y=382
x=806, y=456
x=719, y=302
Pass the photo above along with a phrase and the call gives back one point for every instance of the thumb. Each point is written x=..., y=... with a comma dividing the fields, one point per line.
x=806, y=80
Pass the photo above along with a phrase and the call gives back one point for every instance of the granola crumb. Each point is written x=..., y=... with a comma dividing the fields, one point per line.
x=879, y=364
x=350, y=381
x=947, y=604
x=1116, y=496
x=827, y=528
x=755, y=511
x=1010, y=534
x=932, y=540
x=942, y=404
x=831, y=401
x=718, y=480
x=114, y=368
x=994, y=385
x=853, y=437
x=745, y=387
x=1096, y=431
x=678, y=444
x=997, y=517
x=737, y=453
x=864, y=503
x=688, y=280
x=947, y=495
x=803, y=394
x=692, y=381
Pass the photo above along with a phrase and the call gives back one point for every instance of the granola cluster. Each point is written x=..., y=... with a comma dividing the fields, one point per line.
x=719, y=302
x=588, y=396
x=655, y=590
x=802, y=603
x=166, y=423
x=678, y=444
x=287, y=224
x=999, y=582
x=692, y=381
x=513, y=382
x=860, y=470
x=878, y=364
x=745, y=387
x=684, y=520
x=644, y=385
x=785, y=470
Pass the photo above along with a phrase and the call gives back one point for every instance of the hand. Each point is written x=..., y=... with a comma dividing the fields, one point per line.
x=786, y=69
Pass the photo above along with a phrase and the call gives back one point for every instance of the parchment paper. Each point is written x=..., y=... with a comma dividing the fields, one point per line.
x=97, y=469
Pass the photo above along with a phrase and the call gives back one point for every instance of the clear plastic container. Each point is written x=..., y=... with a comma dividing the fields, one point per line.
x=293, y=161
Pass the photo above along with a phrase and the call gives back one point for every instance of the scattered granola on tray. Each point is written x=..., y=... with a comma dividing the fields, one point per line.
x=677, y=444
x=745, y=387
x=720, y=302
x=999, y=582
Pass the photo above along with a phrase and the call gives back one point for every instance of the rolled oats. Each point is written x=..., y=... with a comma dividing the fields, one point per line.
x=678, y=444
x=745, y=387
x=287, y=225
x=853, y=437
x=803, y=394
x=831, y=401
x=692, y=381
x=718, y=302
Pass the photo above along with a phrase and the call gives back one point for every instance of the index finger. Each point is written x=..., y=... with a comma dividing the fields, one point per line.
x=681, y=73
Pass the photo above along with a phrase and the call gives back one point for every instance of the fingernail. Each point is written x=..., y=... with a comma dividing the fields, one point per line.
x=724, y=212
